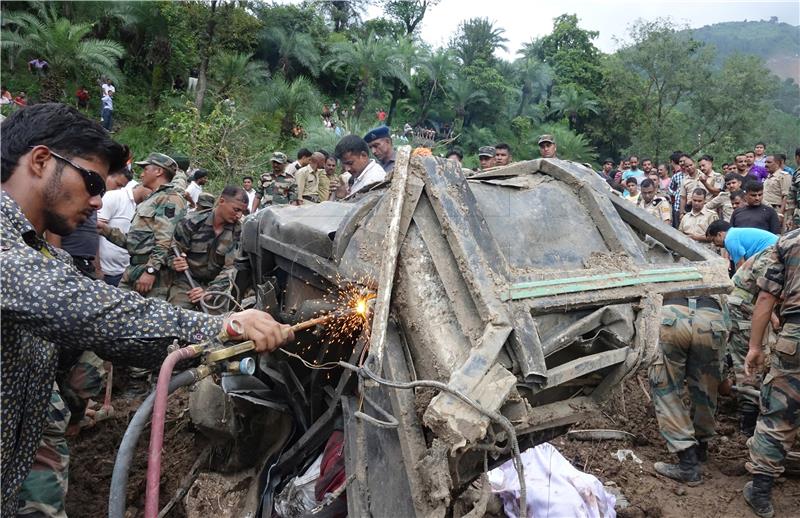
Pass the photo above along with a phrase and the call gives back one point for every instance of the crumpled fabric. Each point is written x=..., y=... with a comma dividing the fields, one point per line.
x=555, y=488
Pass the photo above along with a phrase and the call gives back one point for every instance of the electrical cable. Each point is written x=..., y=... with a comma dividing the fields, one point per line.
x=494, y=416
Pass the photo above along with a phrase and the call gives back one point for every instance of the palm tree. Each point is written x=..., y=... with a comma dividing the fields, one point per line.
x=291, y=101
x=293, y=47
x=406, y=56
x=369, y=60
x=462, y=96
x=63, y=44
x=536, y=77
x=572, y=102
x=233, y=70
x=478, y=38
x=440, y=68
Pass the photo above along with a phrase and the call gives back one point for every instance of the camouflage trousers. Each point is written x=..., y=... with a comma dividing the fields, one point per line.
x=741, y=315
x=44, y=491
x=692, y=345
x=178, y=297
x=779, y=422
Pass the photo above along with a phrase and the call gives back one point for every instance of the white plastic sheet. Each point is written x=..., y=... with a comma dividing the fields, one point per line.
x=555, y=488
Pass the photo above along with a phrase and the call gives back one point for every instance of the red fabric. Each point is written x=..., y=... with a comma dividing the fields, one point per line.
x=83, y=95
x=331, y=470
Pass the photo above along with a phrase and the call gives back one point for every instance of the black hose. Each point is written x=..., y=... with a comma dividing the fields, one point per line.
x=117, y=497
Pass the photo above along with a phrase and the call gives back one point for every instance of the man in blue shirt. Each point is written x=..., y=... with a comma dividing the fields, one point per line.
x=741, y=243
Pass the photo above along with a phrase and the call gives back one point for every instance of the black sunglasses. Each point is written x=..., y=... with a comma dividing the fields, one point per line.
x=95, y=185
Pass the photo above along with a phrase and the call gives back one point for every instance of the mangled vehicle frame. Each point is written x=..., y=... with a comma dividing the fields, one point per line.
x=507, y=306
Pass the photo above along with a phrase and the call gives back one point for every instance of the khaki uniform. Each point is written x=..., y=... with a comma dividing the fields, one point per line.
x=779, y=422
x=210, y=256
x=307, y=181
x=324, y=188
x=694, y=224
x=660, y=208
x=150, y=237
x=774, y=187
x=741, y=302
x=690, y=184
x=274, y=189
x=691, y=349
x=721, y=202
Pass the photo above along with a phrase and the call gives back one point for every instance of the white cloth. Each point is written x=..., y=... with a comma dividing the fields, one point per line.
x=554, y=487
x=371, y=174
x=118, y=209
x=251, y=196
x=194, y=191
x=108, y=88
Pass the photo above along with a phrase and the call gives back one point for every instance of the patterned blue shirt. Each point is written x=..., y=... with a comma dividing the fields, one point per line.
x=49, y=309
x=675, y=190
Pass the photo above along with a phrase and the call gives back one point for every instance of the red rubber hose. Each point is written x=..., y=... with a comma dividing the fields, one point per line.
x=157, y=428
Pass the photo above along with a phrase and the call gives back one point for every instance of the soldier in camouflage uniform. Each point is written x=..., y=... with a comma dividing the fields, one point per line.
x=692, y=344
x=44, y=491
x=793, y=202
x=150, y=236
x=740, y=304
x=275, y=188
x=208, y=241
x=779, y=422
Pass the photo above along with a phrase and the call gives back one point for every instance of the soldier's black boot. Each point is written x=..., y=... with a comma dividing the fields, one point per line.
x=702, y=451
x=687, y=469
x=747, y=421
x=757, y=495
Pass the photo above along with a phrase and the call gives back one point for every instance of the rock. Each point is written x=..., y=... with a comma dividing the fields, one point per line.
x=680, y=491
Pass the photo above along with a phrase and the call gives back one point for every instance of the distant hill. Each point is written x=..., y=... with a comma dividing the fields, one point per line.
x=778, y=44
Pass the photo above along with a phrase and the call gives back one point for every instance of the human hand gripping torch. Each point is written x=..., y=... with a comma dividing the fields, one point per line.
x=217, y=359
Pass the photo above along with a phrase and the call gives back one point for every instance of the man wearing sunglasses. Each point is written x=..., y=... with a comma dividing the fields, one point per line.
x=54, y=163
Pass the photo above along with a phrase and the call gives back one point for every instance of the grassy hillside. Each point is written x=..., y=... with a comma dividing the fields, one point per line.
x=778, y=44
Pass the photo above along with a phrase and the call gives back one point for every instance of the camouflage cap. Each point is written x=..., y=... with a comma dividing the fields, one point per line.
x=160, y=160
x=547, y=138
x=279, y=157
x=486, y=151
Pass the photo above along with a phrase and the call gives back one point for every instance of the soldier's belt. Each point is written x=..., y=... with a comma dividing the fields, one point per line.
x=140, y=259
x=702, y=302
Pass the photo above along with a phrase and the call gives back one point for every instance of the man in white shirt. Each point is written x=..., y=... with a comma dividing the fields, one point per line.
x=353, y=151
x=247, y=183
x=117, y=211
x=195, y=189
x=303, y=158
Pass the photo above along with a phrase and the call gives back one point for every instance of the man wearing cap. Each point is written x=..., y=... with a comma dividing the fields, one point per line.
x=547, y=146
x=380, y=143
x=486, y=158
x=274, y=188
x=150, y=236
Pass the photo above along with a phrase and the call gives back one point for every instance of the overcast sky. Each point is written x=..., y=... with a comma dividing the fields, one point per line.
x=524, y=20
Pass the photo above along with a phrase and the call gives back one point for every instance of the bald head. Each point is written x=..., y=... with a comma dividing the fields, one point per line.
x=317, y=160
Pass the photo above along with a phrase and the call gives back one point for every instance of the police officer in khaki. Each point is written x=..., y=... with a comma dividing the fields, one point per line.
x=149, y=238
x=656, y=206
x=308, y=180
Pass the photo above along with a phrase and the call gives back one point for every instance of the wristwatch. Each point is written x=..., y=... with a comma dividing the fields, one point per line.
x=151, y=270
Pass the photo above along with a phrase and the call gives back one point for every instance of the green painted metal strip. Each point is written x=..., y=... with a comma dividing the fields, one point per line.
x=618, y=275
x=544, y=291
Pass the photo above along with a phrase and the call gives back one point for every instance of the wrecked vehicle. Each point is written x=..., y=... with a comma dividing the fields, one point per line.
x=506, y=306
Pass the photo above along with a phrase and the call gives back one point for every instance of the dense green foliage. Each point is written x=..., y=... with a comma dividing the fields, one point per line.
x=265, y=72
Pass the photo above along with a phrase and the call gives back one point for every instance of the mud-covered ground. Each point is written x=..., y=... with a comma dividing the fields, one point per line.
x=650, y=495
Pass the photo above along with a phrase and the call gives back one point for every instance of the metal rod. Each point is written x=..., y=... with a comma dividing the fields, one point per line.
x=307, y=324
x=592, y=278
x=391, y=245
x=188, y=275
